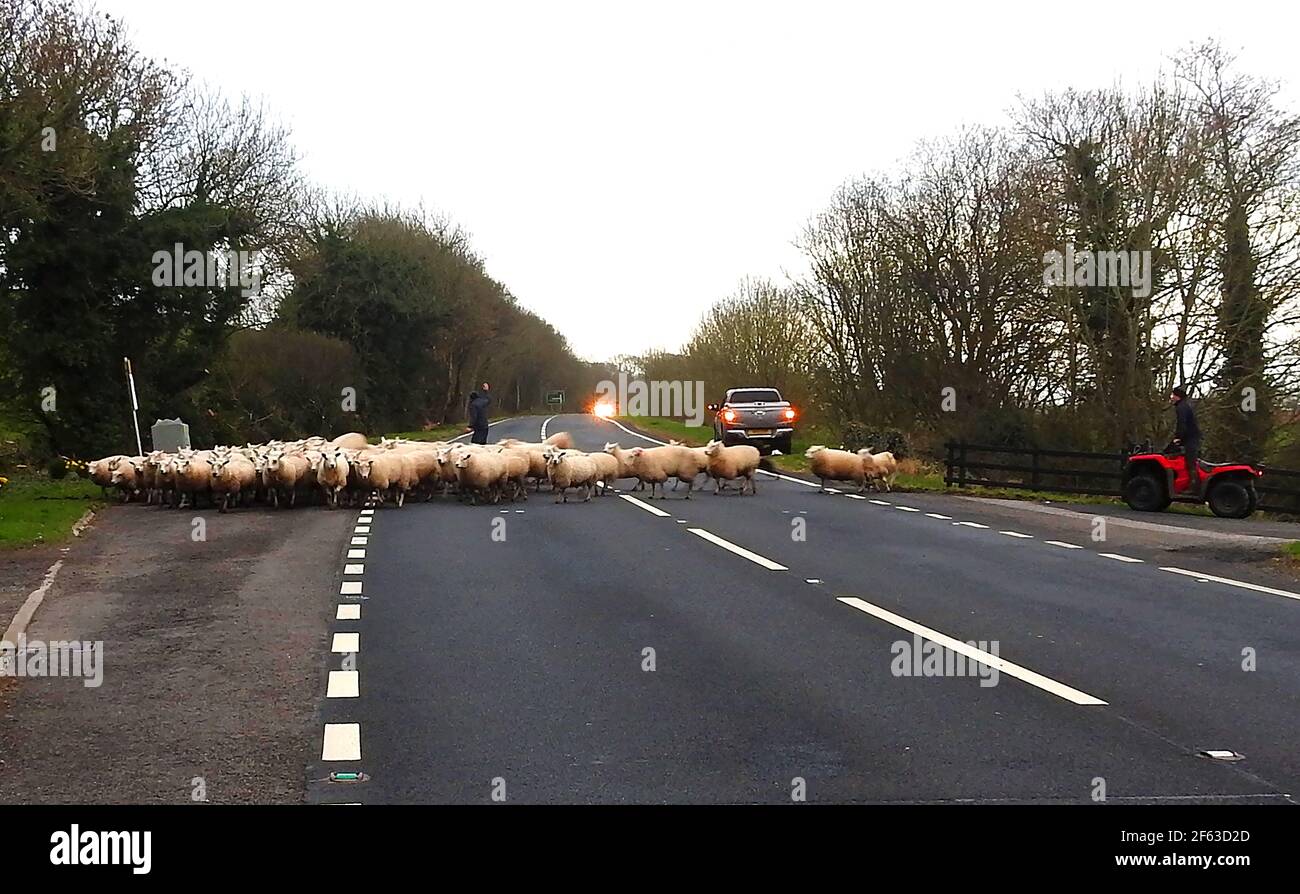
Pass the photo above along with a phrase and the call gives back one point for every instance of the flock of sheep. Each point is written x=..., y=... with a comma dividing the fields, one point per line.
x=348, y=470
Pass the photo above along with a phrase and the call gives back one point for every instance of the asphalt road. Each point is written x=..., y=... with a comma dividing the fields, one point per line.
x=612, y=653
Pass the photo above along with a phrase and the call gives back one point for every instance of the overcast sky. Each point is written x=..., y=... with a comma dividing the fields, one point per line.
x=620, y=166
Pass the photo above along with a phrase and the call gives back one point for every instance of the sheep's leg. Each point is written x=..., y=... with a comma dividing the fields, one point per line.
x=751, y=478
x=690, y=483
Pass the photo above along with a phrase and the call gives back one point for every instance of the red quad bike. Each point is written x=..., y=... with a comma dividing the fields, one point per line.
x=1154, y=480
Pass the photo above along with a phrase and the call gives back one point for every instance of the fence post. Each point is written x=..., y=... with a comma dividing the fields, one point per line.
x=947, y=463
x=961, y=468
x=1033, y=479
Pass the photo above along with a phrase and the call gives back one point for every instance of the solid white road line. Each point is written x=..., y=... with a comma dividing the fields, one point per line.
x=350, y=612
x=344, y=684
x=350, y=588
x=1016, y=534
x=346, y=643
x=546, y=423
x=354, y=569
x=738, y=550
x=360, y=541
x=653, y=510
x=987, y=658
x=1234, y=583
x=342, y=742
x=1118, y=558
x=1062, y=544
x=18, y=626
x=937, y=515
x=356, y=554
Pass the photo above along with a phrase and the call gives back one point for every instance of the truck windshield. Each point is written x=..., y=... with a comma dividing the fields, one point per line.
x=755, y=395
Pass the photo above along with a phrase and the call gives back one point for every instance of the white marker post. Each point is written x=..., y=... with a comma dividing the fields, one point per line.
x=135, y=405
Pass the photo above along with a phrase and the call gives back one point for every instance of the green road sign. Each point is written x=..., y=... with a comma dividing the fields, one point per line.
x=555, y=397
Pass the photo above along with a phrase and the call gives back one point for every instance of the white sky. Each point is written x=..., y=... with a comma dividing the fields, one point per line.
x=621, y=167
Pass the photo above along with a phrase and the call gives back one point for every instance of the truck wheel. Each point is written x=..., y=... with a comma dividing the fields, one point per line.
x=1232, y=498
x=1146, y=493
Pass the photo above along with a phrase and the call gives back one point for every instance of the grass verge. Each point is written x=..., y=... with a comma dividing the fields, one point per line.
x=36, y=509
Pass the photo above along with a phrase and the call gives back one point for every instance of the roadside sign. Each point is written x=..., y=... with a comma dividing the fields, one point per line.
x=555, y=397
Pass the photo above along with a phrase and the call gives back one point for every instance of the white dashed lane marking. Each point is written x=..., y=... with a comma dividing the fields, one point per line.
x=1118, y=558
x=882, y=502
x=970, y=524
x=361, y=529
x=354, y=569
x=351, y=612
x=1062, y=544
x=653, y=510
x=1016, y=534
x=1258, y=588
x=938, y=516
x=356, y=554
x=346, y=643
x=360, y=541
x=350, y=588
x=907, y=508
x=342, y=742
x=986, y=658
x=738, y=550
x=344, y=684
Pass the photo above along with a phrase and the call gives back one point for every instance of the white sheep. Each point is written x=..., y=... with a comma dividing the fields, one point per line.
x=730, y=463
x=836, y=465
x=879, y=467
x=482, y=474
x=570, y=468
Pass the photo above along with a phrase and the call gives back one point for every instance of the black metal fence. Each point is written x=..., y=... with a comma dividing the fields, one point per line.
x=1078, y=472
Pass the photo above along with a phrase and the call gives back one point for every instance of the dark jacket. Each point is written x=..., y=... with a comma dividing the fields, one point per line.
x=1186, y=429
x=478, y=411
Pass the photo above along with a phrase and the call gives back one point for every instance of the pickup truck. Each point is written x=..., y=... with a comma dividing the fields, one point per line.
x=754, y=416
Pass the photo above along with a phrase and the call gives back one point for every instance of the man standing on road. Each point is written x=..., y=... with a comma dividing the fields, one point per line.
x=1187, y=434
x=478, y=415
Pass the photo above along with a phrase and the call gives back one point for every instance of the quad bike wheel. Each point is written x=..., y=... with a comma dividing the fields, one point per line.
x=1146, y=493
x=1232, y=498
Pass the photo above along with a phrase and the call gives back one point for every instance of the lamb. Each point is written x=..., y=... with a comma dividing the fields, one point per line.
x=731, y=463
x=383, y=472
x=231, y=476
x=654, y=466
x=193, y=477
x=879, y=467
x=570, y=468
x=128, y=476
x=607, y=470
x=331, y=468
x=519, y=465
x=353, y=440
x=836, y=465
x=101, y=471
x=482, y=474
x=286, y=473
x=701, y=461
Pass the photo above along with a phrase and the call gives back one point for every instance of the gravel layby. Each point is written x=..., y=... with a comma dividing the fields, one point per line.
x=213, y=659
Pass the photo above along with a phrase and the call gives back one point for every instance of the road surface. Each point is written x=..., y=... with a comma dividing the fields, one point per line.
x=750, y=650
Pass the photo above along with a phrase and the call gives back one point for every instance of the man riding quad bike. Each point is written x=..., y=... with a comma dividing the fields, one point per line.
x=1154, y=480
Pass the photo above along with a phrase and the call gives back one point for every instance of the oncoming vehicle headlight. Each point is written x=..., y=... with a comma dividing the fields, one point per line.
x=603, y=408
